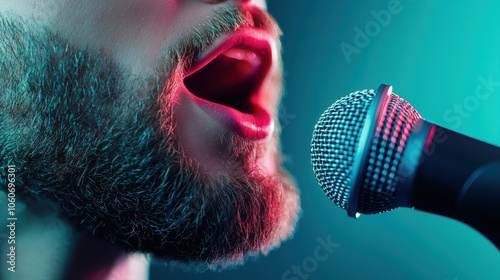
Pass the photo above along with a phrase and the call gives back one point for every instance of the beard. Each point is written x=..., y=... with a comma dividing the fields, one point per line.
x=100, y=146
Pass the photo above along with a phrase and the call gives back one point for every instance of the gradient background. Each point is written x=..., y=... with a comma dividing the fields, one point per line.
x=433, y=54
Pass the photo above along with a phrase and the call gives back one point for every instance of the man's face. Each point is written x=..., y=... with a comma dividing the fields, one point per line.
x=151, y=123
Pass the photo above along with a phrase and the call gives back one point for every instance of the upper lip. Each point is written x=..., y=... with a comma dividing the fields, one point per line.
x=255, y=122
x=251, y=38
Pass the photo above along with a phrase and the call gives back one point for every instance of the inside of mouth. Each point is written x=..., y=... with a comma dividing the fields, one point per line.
x=229, y=79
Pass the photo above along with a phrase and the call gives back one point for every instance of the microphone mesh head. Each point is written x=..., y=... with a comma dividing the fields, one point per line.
x=335, y=142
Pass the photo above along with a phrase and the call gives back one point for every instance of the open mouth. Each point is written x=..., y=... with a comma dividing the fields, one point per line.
x=231, y=78
x=227, y=81
x=232, y=73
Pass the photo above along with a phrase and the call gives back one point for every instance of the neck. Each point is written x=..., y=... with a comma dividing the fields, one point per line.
x=94, y=259
x=47, y=247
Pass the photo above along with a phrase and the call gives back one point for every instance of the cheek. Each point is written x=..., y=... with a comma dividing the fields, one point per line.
x=108, y=24
x=133, y=32
x=37, y=9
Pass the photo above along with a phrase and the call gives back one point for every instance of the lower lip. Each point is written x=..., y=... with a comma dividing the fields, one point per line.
x=258, y=125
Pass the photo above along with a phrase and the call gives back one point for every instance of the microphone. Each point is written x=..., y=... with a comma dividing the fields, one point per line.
x=372, y=152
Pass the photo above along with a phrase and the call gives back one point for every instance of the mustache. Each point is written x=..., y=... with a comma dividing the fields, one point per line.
x=228, y=19
x=261, y=19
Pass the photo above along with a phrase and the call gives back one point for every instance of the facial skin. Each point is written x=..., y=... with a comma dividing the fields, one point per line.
x=108, y=119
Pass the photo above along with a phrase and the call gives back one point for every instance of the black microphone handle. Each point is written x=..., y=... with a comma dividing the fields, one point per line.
x=450, y=174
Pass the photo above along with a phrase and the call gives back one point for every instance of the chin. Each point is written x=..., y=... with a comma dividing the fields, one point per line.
x=192, y=176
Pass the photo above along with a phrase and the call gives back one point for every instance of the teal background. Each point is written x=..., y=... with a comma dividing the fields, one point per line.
x=433, y=53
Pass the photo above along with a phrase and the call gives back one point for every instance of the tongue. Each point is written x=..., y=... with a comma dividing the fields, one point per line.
x=229, y=79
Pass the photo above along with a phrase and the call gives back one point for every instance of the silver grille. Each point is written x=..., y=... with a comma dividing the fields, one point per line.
x=378, y=192
x=334, y=144
x=335, y=140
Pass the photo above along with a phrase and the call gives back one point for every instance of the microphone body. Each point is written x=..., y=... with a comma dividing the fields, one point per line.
x=453, y=175
x=372, y=152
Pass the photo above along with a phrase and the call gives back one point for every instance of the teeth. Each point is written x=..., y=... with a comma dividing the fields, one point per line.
x=246, y=62
x=244, y=54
